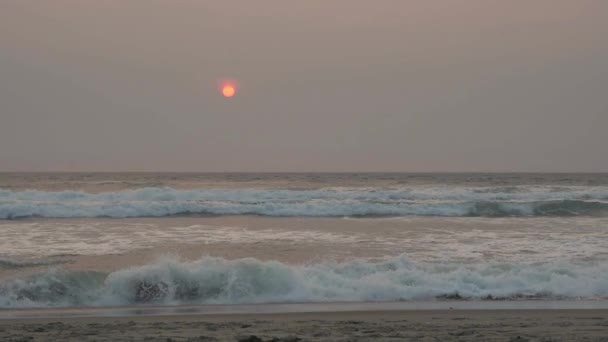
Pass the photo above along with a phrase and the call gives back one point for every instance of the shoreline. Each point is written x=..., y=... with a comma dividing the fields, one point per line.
x=298, y=308
x=394, y=325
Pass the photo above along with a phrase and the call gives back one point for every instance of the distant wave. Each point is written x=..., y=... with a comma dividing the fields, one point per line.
x=11, y=263
x=220, y=281
x=329, y=202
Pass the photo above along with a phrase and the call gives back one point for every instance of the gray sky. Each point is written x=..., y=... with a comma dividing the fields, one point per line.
x=325, y=85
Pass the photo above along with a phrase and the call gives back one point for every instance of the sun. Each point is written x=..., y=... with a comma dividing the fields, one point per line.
x=228, y=90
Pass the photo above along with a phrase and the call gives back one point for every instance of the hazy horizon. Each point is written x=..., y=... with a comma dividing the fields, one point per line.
x=316, y=172
x=339, y=86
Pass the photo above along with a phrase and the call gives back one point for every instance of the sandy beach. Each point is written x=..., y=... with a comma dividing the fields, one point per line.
x=408, y=325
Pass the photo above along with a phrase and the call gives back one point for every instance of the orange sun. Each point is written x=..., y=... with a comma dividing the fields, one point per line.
x=228, y=90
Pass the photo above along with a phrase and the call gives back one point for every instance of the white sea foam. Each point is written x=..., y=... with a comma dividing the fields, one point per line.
x=512, y=240
x=424, y=201
x=24, y=239
x=219, y=281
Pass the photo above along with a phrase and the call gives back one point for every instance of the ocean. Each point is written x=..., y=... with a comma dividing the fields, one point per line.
x=164, y=239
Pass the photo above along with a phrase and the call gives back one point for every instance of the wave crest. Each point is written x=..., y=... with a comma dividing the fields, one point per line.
x=244, y=281
x=330, y=202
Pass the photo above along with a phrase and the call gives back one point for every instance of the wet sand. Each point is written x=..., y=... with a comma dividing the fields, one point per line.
x=406, y=325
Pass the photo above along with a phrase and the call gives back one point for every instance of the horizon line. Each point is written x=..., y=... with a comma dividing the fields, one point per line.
x=315, y=172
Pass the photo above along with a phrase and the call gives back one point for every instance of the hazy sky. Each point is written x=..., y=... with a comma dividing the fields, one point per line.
x=325, y=85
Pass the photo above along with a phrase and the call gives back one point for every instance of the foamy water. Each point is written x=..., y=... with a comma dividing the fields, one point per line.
x=423, y=239
x=326, y=202
x=220, y=281
x=98, y=240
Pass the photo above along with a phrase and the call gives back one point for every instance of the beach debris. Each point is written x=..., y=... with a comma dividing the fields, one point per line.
x=250, y=338
x=285, y=339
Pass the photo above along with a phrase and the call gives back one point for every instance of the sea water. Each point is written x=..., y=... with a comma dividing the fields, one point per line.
x=95, y=239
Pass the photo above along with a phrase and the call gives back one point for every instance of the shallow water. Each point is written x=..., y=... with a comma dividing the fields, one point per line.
x=298, y=308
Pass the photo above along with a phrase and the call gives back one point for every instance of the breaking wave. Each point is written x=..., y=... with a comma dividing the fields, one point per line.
x=329, y=202
x=244, y=281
